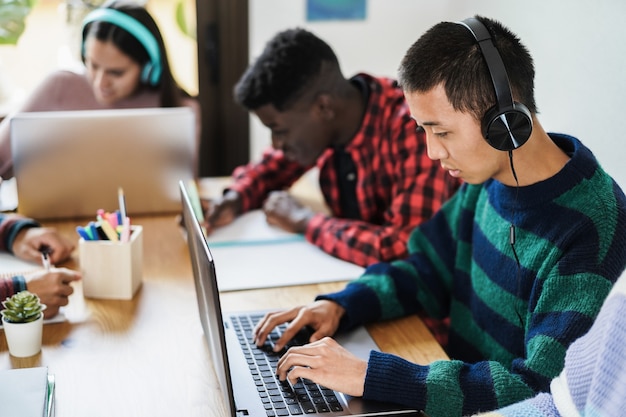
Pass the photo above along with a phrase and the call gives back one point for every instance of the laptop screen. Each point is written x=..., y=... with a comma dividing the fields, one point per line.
x=69, y=164
x=208, y=296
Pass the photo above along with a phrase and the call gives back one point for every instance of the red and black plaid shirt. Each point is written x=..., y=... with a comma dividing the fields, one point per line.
x=397, y=185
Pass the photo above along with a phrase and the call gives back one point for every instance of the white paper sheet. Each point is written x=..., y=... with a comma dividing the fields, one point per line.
x=8, y=195
x=250, y=254
x=10, y=265
x=250, y=228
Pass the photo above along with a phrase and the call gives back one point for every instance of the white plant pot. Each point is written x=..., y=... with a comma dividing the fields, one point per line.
x=24, y=339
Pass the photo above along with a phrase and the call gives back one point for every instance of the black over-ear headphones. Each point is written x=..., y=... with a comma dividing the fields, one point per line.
x=508, y=124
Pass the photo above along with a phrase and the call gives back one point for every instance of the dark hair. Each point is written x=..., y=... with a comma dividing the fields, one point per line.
x=171, y=92
x=448, y=54
x=290, y=63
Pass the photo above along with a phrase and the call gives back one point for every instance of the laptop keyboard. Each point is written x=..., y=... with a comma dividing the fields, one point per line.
x=280, y=398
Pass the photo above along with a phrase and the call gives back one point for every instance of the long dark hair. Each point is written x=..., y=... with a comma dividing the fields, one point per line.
x=171, y=92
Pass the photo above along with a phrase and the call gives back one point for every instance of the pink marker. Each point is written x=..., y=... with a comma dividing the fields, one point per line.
x=112, y=219
x=125, y=230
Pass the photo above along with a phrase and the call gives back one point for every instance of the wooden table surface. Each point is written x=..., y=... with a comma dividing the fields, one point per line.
x=147, y=356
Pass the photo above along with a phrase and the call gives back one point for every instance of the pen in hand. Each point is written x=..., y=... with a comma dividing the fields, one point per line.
x=45, y=257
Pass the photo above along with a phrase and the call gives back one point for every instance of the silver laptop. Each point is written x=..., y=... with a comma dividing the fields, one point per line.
x=69, y=164
x=246, y=373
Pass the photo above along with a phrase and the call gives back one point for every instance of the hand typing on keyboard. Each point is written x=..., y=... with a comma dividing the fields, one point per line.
x=301, y=338
x=326, y=363
x=322, y=360
x=321, y=316
x=280, y=398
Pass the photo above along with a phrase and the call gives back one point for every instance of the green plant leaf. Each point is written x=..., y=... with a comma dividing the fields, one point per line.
x=22, y=307
x=182, y=21
x=13, y=15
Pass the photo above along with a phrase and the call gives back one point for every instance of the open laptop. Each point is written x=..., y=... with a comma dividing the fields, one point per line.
x=246, y=373
x=69, y=164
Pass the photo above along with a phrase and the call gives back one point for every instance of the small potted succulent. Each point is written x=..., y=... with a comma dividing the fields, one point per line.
x=22, y=318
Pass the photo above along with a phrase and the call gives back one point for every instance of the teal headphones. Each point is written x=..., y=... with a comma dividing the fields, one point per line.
x=151, y=72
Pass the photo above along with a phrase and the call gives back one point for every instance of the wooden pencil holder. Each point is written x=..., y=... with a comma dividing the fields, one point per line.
x=112, y=270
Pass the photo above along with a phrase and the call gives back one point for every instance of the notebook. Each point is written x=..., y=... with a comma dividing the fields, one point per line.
x=27, y=392
x=69, y=164
x=246, y=373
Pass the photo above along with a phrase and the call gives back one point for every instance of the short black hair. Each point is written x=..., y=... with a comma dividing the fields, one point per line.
x=448, y=54
x=291, y=61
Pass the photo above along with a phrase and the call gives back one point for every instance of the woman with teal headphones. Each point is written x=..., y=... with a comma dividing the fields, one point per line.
x=126, y=66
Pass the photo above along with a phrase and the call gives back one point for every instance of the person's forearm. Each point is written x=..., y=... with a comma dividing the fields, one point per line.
x=254, y=181
x=10, y=226
x=10, y=286
x=356, y=241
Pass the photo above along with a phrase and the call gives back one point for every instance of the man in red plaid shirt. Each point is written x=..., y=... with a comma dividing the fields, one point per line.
x=374, y=171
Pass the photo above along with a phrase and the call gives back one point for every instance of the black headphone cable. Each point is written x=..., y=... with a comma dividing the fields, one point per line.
x=512, y=235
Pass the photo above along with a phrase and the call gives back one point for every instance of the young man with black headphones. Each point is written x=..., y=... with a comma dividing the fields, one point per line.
x=520, y=258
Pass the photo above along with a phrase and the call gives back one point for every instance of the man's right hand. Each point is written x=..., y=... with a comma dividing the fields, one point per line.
x=222, y=211
x=323, y=316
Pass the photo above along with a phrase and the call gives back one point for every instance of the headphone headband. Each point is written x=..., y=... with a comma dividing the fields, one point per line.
x=151, y=72
x=497, y=71
x=508, y=124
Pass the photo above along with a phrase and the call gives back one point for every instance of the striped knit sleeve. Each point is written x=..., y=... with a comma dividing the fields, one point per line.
x=10, y=225
x=388, y=290
x=10, y=286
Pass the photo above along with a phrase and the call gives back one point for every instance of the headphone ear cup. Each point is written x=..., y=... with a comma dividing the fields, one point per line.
x=145, y=73
x=151, y=72
x=507, y=129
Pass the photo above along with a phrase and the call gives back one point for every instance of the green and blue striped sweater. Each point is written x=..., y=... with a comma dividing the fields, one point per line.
x=510, y=325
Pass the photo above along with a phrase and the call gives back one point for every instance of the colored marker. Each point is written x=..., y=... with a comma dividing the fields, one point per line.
x=122, y=202
x=112, y=219
x=82, y=232
x=125, y=236
x=108, y=230
x=100, y=232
